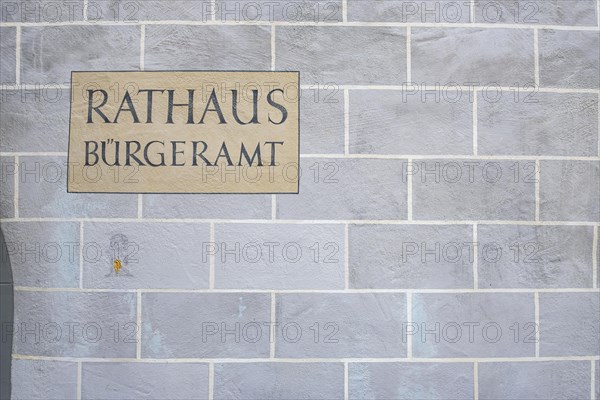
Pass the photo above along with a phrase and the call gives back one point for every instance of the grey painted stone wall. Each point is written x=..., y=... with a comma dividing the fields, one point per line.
x=444, y=243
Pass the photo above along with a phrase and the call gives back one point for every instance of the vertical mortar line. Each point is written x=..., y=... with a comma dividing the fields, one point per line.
x=475, y=257
x=346, y=395
x=475, y=121
x=409, y=189
x=537, y=189
x=18, y=55
x=598, y=22
x=211, y=257
x=345, y=10
x=78, y=380
x=599, y=126
x=409, y=352
x=211, y=380
x=272, y=47
x=272, y=330
x=81, y=255
x=16, y=184
x=85, y=9
x=408, y=55
x=593, y=380
x=140, y=205
x=476, y=380
x=142, y=47
x=536, y=301
x=138, y=344
x=536, y=57
x=595, y=258
x=472, y=11
x=346, y=257
x=213, y=8
x=273, y=207
x=346, y=121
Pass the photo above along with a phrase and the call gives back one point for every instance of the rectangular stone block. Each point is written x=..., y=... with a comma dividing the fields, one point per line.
x=340, y=325
x=281, y=10
x=383, y=122
x=472, y=325
x=472, y=189
x=36, y=379
x=463, y=56
x=569, y=58
x=560, y=180
x=519, y=256
x=410, y=381
x=83, y=48
x=118, y=381
x=535, y=380
x=428, y=11
x=7, y=182
x=152, y=255
x=128, y=11
x=569, y=324
x=278, y=256
x=208, y=47
x=328, y=54
x=411, y=256
x=43, y=254
x=45, y=11
x=68, y=324
x=8, y=61
x=205, y=325
x=43, y=193
x=528, y=123
x=279, y=380
x=211, y=206
x=322, y=120
x=35, y=120
x=547, y=12
x=346, y=189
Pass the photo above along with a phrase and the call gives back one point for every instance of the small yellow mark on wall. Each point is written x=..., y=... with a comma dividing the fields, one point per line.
x=117, y=265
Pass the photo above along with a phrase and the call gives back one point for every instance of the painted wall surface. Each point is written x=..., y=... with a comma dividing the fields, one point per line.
x=444, y=243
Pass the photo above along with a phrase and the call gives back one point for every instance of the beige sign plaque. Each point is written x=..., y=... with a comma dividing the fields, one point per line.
x=184, y=132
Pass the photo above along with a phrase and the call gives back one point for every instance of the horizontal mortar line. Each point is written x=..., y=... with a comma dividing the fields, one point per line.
x=306, y=360
x=303, y=23
x=448, y=86
x=305, y=222
x=371, y=156
x=308, y=291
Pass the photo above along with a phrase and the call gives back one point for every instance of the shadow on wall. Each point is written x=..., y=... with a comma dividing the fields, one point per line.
x=6, y=318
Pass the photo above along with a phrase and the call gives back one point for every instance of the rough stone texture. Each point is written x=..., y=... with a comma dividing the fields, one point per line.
x=471, y=325
x=557, y=124
x=343, y=325
x=278, y=256
x=45, y=11
x=341, y=189
x=598, y=379
x=43, y=193
x=192, y=325
x=219, y=206
x=518, y=256
x=35, y=120
x=569, y=59
x=118, y=381
x=410, y=381
x=384, y=122
x=548, y=12
x=428, y=11
x=34, y=379
x=535, y=380
x=322, y=121
x=128, y=11
x=66, y=324
x=281, y=10
x=326, y=55
x=411, y=256
x=208, y=47
x=569, y=324
x=473, y=189
x=7, y=180
x=570, y=190
x=7, y=61
x=84, y=48
x=43, y=254
x=279, y=381
x=151, y=258
x=507, y=62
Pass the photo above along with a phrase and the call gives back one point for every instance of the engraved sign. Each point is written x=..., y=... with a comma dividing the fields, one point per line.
x=184, y=132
